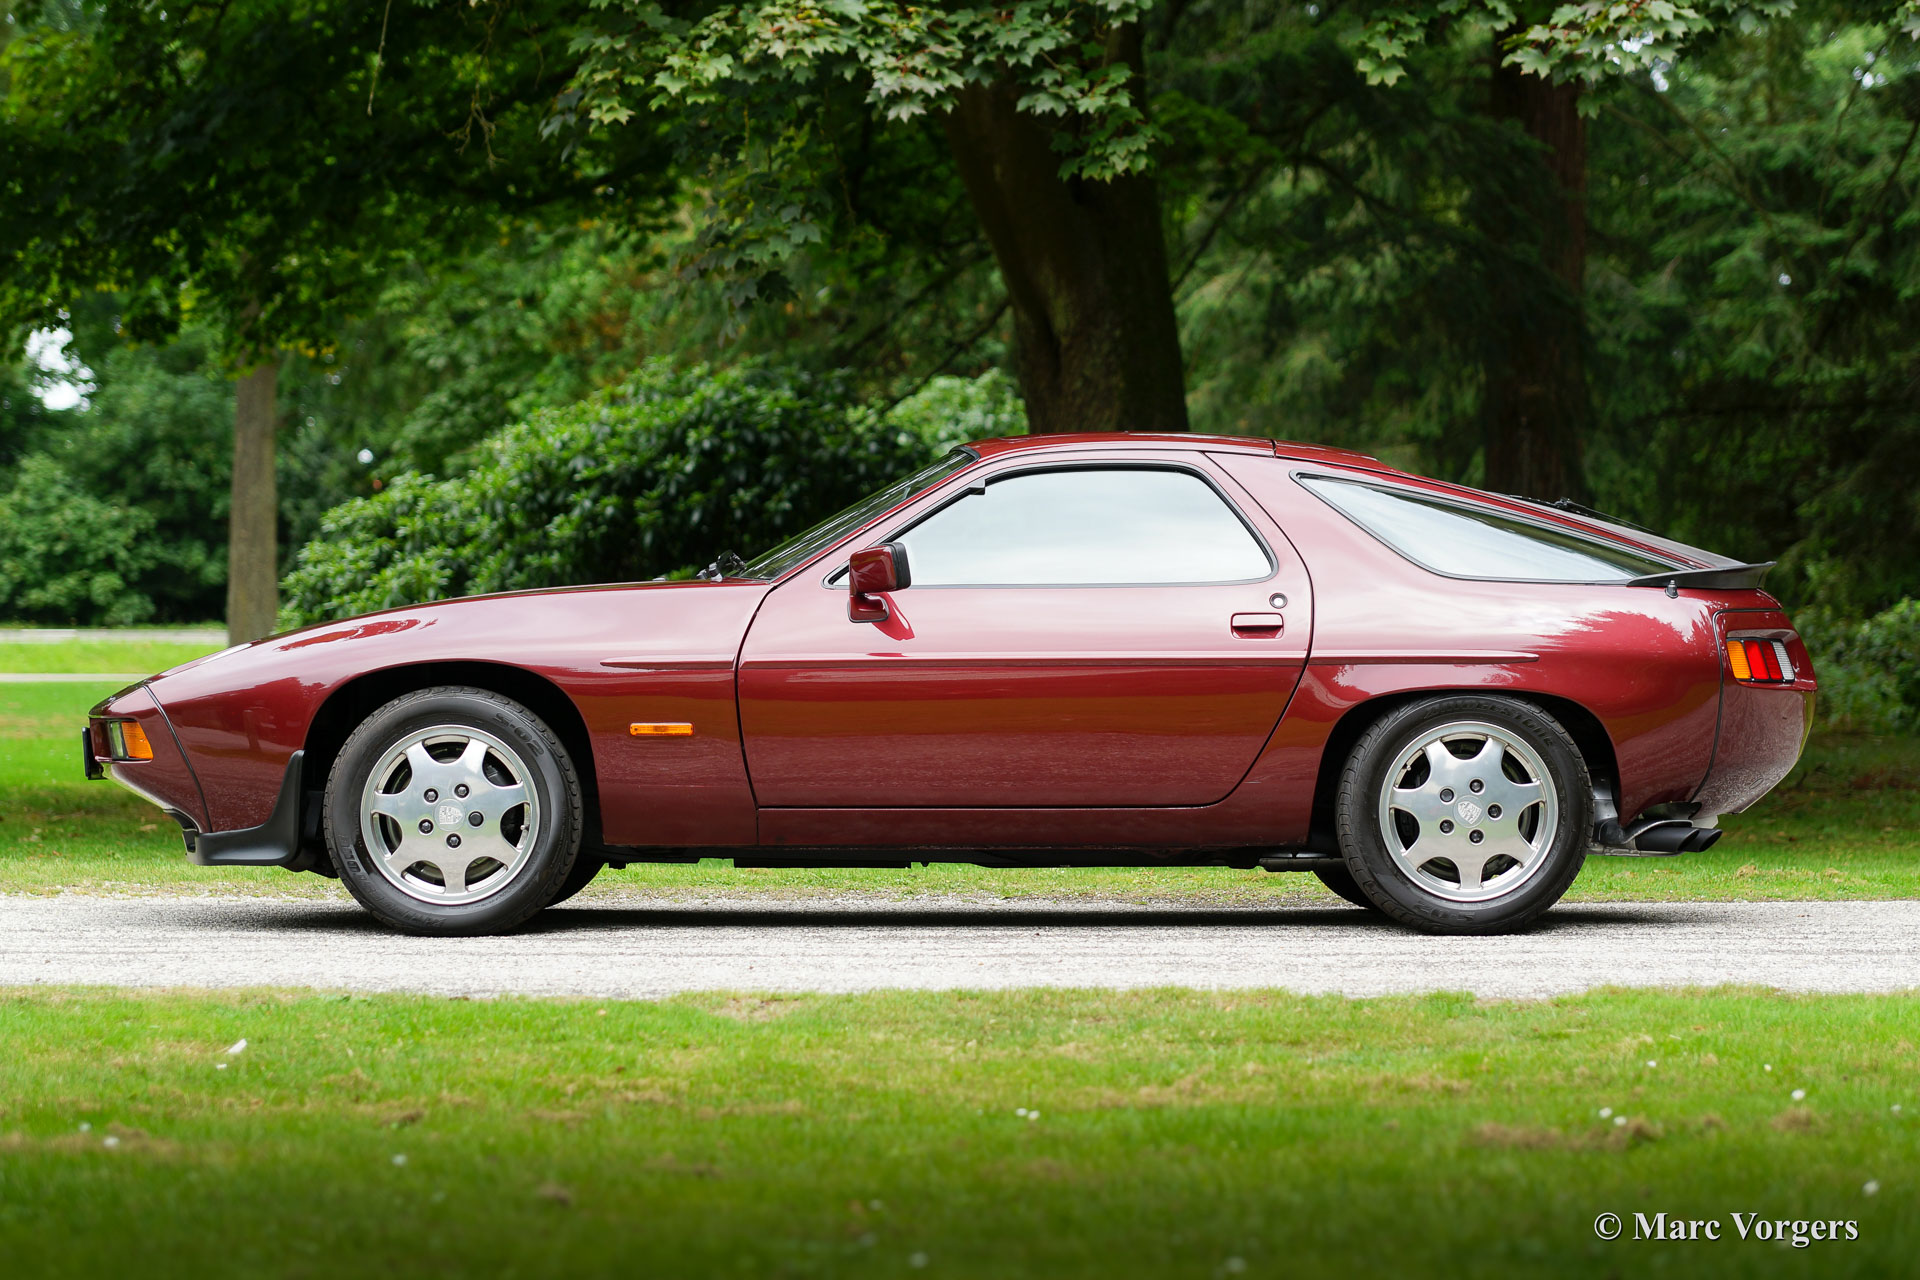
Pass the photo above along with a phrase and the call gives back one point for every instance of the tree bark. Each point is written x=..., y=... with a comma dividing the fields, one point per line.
x=1096, y=347
x=1537, y=408
x=253, y=525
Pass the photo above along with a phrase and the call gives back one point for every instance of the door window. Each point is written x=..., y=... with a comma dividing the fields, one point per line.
x=1086, y=526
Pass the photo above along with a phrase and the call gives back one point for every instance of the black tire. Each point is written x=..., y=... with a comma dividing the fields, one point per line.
x=1427, y=906
x=551, y=846
x=585, y=868
x=1343, y=883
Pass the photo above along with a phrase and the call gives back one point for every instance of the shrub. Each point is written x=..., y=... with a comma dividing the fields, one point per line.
x=653, y=478
x=67, y=558
x=1869, y=671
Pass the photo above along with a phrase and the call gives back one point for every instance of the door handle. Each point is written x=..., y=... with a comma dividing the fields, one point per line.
x=1258, y=626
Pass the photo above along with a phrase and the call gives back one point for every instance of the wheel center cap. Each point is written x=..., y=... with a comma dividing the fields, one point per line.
x=1469, y=812
x=450, y=814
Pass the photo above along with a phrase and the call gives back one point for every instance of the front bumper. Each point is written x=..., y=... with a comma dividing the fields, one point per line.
x=166, y=779
x=169, y=781
x=274, y=843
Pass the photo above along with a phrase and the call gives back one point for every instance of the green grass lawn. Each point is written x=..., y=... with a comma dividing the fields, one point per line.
x=121, y=656
x=1177, y=1134
x=1846, y=824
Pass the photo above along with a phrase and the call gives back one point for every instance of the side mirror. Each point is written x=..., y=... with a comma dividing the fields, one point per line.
x=871, y=573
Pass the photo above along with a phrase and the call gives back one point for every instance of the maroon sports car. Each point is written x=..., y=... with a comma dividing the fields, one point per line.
x=1041, y=651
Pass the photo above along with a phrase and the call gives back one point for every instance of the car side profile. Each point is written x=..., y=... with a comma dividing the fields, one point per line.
x=1038, y=651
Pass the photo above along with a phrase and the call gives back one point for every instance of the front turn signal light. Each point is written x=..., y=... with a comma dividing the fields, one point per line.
x=1759, y=661
x=126, y=740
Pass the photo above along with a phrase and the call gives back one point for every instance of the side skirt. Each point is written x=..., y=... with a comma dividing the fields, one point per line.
x=1244, y=859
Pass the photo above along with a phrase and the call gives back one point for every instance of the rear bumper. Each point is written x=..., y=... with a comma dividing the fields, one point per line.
x=1763, y=728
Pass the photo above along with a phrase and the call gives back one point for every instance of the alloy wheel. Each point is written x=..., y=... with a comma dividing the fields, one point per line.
x=448, y=815
x=1469, y=811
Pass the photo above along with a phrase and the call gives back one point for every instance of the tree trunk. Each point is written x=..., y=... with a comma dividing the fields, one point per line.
x=1537, y=409
x=253, y=552
x=1085, y=267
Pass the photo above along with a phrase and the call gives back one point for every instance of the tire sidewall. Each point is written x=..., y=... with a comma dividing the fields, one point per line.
x=1364, y=845
x=550, y=776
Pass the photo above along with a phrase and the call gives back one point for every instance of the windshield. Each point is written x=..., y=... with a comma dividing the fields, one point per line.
x=802, y=547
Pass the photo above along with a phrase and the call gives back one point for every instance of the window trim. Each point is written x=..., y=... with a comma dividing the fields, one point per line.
x=1301, y=476
x=827, y=552
x=967, y=485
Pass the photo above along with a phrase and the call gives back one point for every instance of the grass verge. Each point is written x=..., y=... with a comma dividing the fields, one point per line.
x=1176, y=1134
x=75, y=657
x=1846, y=824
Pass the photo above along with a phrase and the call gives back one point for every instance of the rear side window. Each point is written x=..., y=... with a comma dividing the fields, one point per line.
x=1091, y=526
x=1469, y=542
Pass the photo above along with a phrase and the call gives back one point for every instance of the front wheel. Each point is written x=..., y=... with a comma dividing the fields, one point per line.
x=453, y=811
x=1465, y=815
x=1340, y=881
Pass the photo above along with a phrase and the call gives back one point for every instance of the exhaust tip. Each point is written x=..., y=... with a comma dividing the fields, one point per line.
x=1701, y=839
x=1664, y=837
x=1676, y=837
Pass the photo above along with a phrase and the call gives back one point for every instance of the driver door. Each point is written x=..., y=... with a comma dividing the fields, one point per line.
x=1113, y=632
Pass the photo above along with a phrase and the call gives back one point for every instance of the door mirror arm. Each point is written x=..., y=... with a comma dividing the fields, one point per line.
x=871, y=573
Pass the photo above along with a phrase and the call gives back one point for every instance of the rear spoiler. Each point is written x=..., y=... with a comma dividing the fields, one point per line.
x=1726, y=576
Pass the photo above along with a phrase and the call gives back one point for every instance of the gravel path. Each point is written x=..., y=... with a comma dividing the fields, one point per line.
x=650, y=948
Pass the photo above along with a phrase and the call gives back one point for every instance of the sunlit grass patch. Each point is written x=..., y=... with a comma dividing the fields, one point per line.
x=1020, y=1133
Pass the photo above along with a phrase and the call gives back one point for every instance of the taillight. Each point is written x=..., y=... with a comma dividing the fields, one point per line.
x=1759, y=661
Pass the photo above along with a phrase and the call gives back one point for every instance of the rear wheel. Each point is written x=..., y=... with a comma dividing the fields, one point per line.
x=453, y=811
x=1465, y=815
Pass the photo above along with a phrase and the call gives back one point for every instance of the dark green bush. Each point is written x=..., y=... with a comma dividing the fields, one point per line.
x=653, y=478
x=1869, y=671
x=67, y=557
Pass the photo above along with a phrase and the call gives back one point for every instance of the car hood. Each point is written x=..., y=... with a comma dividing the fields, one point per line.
x=566, y=628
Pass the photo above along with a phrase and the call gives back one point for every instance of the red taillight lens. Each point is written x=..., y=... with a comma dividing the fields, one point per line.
x=1759, y=661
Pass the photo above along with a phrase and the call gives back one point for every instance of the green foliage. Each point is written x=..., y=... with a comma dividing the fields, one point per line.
x=653, y=478
x=25, y=421
x=1756, y=307
x=758, y=95
x=260, y=165
x=157, y=438
x=950, y=411
x=1869, y=671
x=66, y=557
x=1591, y=40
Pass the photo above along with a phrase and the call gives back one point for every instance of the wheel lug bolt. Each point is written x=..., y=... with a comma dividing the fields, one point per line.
x=432, y=795
x=1477, y=786
x=1476, y=837
x=1493, y=811
x=426, y=826
x=1446, y=827
x=474, y=818
x=1446, y=795
x=461, y=791
x=453, y=840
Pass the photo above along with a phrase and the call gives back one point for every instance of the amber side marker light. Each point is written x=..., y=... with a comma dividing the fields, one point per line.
x=126, y=740
x=1759, y=661
x=660, y=730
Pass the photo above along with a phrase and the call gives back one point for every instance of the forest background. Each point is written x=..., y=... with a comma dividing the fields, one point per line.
x=504, y=294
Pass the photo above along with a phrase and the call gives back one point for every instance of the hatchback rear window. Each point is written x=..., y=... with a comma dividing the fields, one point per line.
x=1475, y=542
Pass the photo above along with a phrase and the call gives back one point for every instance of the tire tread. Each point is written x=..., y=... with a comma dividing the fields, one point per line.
x=557, y=873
